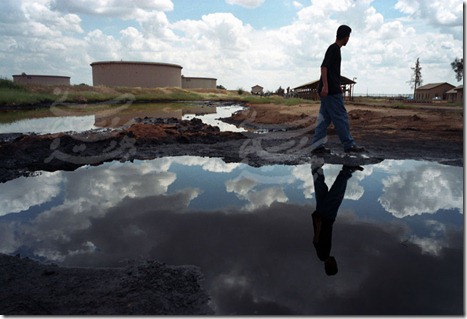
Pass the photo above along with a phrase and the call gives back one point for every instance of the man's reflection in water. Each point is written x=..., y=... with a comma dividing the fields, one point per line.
x=328, y=202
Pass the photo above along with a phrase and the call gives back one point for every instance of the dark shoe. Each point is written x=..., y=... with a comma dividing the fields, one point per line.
x=321, y=150
x=355, y=149
x=352, y=169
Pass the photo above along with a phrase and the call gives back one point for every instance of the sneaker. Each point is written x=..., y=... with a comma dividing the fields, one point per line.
x=355, y=149
x=321, y=150
x=352, y=169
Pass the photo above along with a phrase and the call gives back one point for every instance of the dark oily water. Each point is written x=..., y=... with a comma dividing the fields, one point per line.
x=397, y=239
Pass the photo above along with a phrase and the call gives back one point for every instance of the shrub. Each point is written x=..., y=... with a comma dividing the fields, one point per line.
x=9, y=84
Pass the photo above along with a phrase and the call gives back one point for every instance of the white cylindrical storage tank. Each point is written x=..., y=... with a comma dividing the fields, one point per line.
x=198, y=83
x=41, y=79
x=136, y=74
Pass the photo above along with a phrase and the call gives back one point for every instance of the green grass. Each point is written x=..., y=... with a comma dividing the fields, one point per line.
x=273, y=99
x=14, y=94
x=20, y=97
x=8, y=84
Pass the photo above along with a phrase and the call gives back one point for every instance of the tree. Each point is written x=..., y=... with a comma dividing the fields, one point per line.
x=458, y=67
x=416, y=79
x=280, y=91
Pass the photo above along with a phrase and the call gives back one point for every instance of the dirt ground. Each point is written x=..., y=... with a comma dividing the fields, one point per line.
x=430, y=132
x=138, y=288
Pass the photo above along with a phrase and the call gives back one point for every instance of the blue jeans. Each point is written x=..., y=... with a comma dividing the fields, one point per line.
x=332, y=110
x=328, y=200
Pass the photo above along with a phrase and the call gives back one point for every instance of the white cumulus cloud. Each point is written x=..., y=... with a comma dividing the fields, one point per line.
x=64, y=37
x=246, y=3
x=422, y=190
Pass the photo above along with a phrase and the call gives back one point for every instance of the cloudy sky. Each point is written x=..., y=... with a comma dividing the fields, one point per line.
x=240, y=42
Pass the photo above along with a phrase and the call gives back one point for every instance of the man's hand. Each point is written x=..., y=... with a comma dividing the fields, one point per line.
x=324, y=78
x=324, y=91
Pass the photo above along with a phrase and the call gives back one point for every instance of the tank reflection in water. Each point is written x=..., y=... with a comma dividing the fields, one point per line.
x=397, y=236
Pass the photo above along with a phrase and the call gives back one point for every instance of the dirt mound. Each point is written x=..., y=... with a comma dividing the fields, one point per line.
x=67, y=151
x=146, y=288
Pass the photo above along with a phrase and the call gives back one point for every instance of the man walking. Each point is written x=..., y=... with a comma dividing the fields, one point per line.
x=332, y=103
x=328, y=202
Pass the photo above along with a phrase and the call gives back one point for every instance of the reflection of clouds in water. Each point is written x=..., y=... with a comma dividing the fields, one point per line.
x=91, y=193
x=428, y=245
x=23, y=193
x=265, y=197
x=303, y=173
x=216, y=165
x=55, y=234
x=10, y=239
x=109, y=184
x=89, y=196
x=437, y=238
x=263, y=259
x=266, y=262
x=392, y=165
x=354, y=190
x=244, y=188
x=240, y=186
x=423, y=189
x=50, y=125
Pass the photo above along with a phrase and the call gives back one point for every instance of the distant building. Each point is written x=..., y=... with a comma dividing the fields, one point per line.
x=41, y=79
x=432, y=91
x=257, y=90
x=198, y=83
x=456, y=95
x=136, y=74
x=309, y=90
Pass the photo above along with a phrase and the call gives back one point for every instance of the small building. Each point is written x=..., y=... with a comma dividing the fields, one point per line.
x=309, y=90
x=257, y=90
x=24, y=78
x=198, y=83
x=456, y=95
x=136, y=74
x=432, y=91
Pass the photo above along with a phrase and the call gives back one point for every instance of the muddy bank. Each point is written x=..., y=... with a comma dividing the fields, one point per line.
x=386, y=133
x=23, y=154
x=150, y=287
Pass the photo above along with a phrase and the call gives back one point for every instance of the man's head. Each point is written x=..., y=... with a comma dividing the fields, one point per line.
x=330, y=266
x=343, y=34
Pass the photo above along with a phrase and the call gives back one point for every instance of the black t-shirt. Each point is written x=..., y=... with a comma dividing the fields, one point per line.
x=332, y=61
x=323, y=246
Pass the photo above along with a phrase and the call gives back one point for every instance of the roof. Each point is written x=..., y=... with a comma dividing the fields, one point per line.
x=257, y=86
x=137, y=62
x=344, y=81
x=197, y=78
x=42, y=76
x=454, y=90
x=430, y=86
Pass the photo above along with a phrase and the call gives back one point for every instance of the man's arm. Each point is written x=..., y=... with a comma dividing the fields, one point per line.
x=324, y=78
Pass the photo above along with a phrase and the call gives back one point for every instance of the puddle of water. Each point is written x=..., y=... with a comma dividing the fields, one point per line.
x=50, y=125
x=397, y=238
x=221, y=112
x=113, y=117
